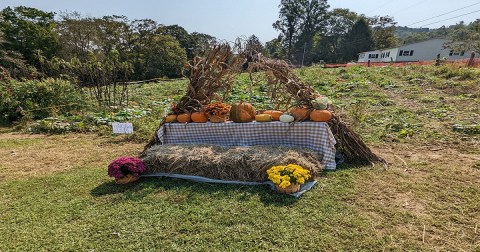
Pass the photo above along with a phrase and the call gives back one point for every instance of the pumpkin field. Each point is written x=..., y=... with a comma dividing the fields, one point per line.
x=55, y=194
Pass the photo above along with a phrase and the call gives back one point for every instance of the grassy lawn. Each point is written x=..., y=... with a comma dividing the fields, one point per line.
x=55, y=194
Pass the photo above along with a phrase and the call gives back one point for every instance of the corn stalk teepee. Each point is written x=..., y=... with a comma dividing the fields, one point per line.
x=211, y=78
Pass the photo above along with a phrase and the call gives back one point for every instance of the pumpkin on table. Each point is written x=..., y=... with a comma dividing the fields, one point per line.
x=199, y=117
x=242, y=112
x=320, y=115
x=171, y=118
x=184, y=118
x=299, y=113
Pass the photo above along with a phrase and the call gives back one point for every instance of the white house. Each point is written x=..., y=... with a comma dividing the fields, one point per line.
x=425, y=50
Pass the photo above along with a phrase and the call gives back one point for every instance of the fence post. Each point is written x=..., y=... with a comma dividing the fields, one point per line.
x=472, y=60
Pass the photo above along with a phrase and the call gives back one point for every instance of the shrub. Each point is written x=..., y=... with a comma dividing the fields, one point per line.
x=50, y=97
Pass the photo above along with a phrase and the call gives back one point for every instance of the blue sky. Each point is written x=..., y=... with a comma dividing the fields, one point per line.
x=228, y=19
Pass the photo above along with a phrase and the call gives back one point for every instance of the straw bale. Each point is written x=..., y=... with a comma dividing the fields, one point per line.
x=227, y=163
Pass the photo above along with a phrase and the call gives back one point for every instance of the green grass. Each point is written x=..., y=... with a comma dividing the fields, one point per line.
x=428, y=199
x=350, y=209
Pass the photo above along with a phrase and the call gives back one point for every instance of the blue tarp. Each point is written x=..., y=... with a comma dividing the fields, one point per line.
x=305, y=187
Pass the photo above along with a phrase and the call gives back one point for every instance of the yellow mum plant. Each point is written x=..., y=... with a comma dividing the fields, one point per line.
x=285, y=175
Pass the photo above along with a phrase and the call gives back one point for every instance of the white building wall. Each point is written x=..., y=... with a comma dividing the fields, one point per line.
x=373, y=56
x=425, y=50
x=389, y=55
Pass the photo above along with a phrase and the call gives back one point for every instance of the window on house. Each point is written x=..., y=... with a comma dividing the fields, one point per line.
x=400, y=53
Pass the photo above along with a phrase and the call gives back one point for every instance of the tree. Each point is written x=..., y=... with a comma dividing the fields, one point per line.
x=358, y=39
x=384, y=32
x=299, y=21
x=466, y=37
x=30, y=32
x=164, y=57
x=289, y=22
x=253, y=45
x=201, y=43
x=274, y=49
x=76, y=35
x=180, y=34
x=142, y=44
x=313, y=22
x=328, y=46
x=12, y=65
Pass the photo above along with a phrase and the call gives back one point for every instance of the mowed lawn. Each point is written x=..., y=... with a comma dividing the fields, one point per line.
x=55, y=194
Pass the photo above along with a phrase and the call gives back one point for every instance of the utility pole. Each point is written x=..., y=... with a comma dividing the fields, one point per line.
x=304, y=48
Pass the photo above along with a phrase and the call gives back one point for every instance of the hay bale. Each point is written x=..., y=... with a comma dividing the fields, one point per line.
x=227, y=163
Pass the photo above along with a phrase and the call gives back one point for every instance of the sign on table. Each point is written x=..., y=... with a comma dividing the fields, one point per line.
x=122, y=128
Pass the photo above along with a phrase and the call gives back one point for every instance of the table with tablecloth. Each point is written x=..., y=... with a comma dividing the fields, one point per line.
x=312, y=135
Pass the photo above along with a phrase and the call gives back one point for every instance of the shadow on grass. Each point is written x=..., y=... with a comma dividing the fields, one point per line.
x=190, y=190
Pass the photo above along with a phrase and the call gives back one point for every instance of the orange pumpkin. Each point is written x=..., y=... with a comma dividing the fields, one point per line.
x=274, y=113
x=199, y=117
x=242, y=112
x=300, y=114
x=171, y=118
x=320, y=115
x=184, y=118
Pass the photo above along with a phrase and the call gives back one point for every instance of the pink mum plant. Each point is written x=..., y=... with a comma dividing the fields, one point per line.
x=123, y=166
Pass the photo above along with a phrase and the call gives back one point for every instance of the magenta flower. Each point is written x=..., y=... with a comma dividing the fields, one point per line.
x=123, y=166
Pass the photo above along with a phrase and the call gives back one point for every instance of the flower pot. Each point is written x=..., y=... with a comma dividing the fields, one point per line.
x=293, y=188
x=218, y=119
x=127, y=179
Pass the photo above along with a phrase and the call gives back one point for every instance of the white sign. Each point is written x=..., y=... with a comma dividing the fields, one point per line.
x=122, y=128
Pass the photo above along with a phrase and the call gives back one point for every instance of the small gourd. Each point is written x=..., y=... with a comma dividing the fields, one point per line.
x=263, y=118
x=286, y=118
x=184, y=118
x=274, y=113
x=199, y=117
x=171, y=118
x=320, y=115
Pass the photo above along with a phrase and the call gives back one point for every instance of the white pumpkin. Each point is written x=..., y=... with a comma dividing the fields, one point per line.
x=286, y=118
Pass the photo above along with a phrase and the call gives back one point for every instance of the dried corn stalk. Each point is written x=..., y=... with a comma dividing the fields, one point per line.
x=210, y=78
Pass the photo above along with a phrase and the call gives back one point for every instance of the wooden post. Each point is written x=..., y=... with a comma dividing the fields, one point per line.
x=472, y=60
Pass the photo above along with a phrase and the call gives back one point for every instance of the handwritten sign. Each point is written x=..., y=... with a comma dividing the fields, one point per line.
x=122, y=128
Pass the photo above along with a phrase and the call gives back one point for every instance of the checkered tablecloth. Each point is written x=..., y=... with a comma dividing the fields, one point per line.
x=312, y=135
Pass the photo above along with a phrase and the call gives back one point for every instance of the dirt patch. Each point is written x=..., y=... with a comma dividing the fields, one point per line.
x=440, y=153
x=34, y=155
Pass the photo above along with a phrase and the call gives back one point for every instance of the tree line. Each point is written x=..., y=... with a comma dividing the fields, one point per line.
x=96, y=52
x=311, y=33
x=34, y=43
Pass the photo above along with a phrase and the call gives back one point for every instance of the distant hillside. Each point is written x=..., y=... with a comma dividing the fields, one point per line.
x=403, y=32
x=408, y=35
